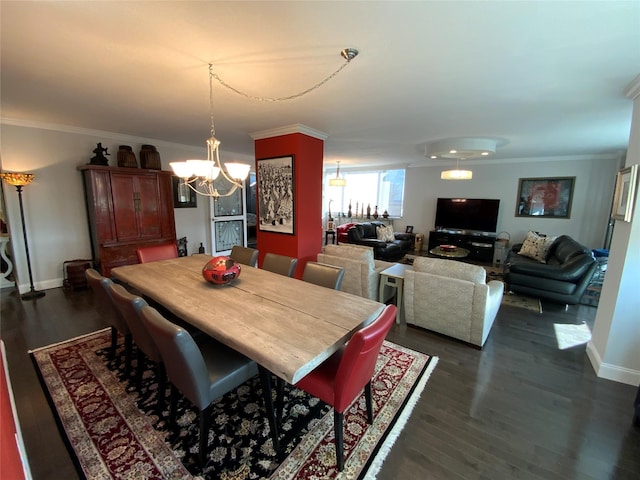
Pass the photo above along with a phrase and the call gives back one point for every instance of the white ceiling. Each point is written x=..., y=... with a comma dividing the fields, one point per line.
x=543, y=78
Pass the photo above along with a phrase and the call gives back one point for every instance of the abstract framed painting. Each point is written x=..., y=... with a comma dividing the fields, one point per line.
x=548, y=197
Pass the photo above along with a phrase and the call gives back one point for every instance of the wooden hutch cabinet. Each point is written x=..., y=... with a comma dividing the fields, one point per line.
x=127, y=208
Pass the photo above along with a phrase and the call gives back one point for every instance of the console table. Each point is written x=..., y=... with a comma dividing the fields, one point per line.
x=479, y=245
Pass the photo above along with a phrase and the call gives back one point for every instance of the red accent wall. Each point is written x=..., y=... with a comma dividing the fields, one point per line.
x=306, y=242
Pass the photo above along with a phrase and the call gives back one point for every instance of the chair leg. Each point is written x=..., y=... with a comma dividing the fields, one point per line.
x=367, y=396
x=173, y=406
x=128, y=349
x=205, y=420
x=337, y=427
x=114, y=343
x=162, y=386
x=139, y=369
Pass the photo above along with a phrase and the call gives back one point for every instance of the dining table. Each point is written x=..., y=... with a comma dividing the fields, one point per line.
x=287, y=326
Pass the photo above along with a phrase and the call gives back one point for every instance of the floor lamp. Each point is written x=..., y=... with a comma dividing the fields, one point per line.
x=19, y=180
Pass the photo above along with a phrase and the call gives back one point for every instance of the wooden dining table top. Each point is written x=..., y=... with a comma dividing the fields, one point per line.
x=285, y=325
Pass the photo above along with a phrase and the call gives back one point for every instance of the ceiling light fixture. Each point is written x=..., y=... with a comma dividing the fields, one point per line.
x=347, y=53
x=338, y=181
x=460, y=149
x=456, y=174
x=202, y=173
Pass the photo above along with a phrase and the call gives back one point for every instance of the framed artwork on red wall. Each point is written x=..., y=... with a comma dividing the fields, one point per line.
x=276, y=195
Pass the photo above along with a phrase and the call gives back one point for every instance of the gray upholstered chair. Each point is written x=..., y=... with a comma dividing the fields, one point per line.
x=129, y=306
x=100, y=286
x=361, y=269
x=280, y=264
x=245, y=255
x=201, y=371
x=451, y=298
x=323, y=275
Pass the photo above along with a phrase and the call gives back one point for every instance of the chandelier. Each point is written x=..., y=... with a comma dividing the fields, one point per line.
x=199, y=175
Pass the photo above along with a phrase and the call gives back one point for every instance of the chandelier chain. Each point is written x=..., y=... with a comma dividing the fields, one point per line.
x=211, y=74
x=277, y=99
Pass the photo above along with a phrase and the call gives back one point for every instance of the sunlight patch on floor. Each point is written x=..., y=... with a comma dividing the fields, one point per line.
x=569, y=336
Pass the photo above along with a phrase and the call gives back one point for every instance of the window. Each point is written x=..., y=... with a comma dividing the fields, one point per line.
x=375, y=188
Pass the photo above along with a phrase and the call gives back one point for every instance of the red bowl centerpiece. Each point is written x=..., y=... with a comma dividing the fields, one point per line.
x=448, y=248
x=221, y=270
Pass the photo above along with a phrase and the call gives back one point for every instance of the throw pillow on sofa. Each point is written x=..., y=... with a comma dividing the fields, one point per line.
x=536, y=246
x=385, y=233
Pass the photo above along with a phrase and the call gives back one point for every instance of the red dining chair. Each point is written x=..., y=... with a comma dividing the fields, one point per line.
x=340, y=379
x=154, y=253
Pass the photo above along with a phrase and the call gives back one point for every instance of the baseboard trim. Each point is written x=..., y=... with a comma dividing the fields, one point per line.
x=610, y=371
x=46, y=285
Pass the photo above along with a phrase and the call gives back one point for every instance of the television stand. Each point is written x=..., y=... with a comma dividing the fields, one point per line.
x=480, y=245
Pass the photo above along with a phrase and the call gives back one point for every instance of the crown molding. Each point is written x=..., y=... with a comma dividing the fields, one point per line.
x=478, y=162
x=287, y=130
x=120, y=137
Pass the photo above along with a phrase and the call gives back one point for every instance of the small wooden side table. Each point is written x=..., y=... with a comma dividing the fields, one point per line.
x=327, y=234
x=394, y=277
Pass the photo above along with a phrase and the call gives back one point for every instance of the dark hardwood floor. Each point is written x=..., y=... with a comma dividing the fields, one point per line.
x=519, y=409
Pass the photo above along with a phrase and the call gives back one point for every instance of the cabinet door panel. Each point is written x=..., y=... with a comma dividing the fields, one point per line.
x=124, y=206
x=149, y=213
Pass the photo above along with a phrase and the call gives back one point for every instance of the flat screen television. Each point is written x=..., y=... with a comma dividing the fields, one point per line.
x=476, y=214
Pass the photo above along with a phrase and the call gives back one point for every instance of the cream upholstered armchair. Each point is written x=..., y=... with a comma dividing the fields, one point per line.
x=451, y=298
x=361, y=271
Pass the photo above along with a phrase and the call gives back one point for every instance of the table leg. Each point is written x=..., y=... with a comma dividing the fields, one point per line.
x=265, y=379
x=383, y=283
x=399, y=290
x=397, y=284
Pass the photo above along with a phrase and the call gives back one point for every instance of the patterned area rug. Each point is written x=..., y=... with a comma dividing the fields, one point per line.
x=521, y=301
x=114, y=432
x=513, y=299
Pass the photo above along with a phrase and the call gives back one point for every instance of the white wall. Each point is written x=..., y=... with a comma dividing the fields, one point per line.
x=613, y=349
x=591, y=206
x=54, y=207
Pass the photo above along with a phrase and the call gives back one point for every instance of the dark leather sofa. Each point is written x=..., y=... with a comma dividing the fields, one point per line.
x=365, y=234
x=562, y=279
